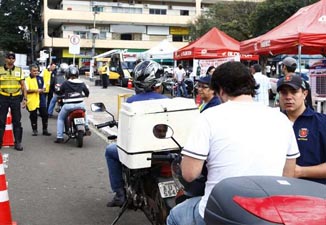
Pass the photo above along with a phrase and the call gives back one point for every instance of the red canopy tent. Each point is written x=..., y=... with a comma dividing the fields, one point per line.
x=213, y=44
x=302, y=33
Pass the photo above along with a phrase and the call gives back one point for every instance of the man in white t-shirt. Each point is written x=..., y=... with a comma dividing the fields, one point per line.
x=262, y=94
x=179, y=76
x=234, y=139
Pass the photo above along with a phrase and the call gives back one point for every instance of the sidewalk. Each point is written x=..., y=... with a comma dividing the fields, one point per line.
x=107, y=96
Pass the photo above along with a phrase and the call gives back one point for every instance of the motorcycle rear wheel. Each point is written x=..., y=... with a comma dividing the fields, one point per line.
x=79, y=138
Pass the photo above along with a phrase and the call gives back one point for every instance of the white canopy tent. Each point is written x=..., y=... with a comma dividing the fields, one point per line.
x=164, y=50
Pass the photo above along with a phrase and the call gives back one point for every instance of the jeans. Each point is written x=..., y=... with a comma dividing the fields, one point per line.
x=52, y=104
x=183, y=86
x=186, y=212
x=114, y=167
x=66, y=108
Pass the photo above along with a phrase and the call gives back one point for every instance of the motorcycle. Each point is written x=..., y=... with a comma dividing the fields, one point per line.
x=248, y=200
x=150, y=189
x=75, y=126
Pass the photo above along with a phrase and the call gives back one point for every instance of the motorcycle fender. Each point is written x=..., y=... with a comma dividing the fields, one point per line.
x=80, y=127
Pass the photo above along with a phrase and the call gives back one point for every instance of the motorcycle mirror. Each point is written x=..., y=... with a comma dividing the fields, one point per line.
x=162, y=131
x=98, y=107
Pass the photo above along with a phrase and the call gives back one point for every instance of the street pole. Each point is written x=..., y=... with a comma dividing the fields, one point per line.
x=94, y=32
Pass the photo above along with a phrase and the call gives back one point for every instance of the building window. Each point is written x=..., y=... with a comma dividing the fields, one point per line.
x=82, y=34
x=157, y=11
x=177, y=38
x=97, y=9
x=184, y=12
x=126, y=37
x=127, y=10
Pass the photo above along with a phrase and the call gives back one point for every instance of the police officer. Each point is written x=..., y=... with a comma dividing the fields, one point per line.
x=12, y=92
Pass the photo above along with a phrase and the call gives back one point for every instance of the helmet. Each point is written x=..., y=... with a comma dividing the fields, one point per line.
x=62, y=68
x=72, y=71
x=147, y=76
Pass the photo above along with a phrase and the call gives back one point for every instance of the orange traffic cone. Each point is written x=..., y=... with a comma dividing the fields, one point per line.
x=129, y=84
x=5, y=214
x=8, y=137
x=198, y=100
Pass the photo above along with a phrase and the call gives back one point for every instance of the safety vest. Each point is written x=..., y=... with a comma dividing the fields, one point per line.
x=10, y=81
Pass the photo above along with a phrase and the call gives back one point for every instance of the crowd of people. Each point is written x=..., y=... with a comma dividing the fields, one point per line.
x=236, y=134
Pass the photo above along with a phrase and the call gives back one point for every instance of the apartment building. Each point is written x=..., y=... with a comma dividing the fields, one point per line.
x=102, y=25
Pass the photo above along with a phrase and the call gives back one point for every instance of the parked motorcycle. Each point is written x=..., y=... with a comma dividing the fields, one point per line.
x=262, y=200
x=150, y=189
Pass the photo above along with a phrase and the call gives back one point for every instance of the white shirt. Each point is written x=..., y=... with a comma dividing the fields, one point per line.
x=264, y=86
x=179, y=74
x=241, y=138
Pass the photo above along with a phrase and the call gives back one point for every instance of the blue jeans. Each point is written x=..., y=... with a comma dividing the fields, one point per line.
x=66, y=108
x=114, y=167
x=186, y=212
x=183, y=86
x=52, y=104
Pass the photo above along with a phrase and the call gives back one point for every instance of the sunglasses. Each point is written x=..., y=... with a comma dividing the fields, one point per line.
x=203, y=86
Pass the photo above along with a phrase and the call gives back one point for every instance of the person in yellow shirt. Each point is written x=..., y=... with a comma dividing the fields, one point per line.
x=47, y=75
x=104, y=75
x=12, y=94
x=36, y=99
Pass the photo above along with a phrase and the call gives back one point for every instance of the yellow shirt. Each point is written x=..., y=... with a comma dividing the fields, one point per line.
x=33, y=99
x=47, y=80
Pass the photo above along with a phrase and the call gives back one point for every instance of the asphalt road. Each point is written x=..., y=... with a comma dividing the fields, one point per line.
x=60, y=184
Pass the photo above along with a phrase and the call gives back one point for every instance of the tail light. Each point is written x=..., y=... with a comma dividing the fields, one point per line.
x=166, y=170
x=299, y=210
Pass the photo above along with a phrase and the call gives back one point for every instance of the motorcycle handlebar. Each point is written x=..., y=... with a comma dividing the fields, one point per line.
x=109, y=123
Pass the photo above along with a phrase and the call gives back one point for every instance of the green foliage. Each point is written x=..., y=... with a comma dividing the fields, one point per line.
x=15, y=13
x=244, y=20
x=271, y=13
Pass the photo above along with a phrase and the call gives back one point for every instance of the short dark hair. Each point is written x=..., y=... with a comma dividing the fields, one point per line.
x=234, y=78
x=210, y=68
x=256, y=67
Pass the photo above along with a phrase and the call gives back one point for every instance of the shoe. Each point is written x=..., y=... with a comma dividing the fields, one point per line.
x=59, y=140
x=88, y=131
x=117, y=200
x=18, y=146
x=34, y=133
x=46, y=133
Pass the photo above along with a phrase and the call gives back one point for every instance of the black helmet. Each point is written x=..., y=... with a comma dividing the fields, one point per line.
x=147, y=76
x=72, y=71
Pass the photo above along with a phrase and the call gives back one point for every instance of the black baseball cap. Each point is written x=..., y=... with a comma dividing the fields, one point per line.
x=10, y=54
x=293, y=81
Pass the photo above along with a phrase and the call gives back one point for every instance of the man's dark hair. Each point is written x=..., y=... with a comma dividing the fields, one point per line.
x=291, y=69
x=234, y=78
x=256, y=67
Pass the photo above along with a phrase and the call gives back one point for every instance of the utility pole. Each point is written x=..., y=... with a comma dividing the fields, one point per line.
x=94, y=32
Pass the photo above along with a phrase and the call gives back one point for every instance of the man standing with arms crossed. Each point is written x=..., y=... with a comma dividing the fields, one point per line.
x=12, y=91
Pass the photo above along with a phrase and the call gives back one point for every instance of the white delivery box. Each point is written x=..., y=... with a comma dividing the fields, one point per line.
x=136, y=141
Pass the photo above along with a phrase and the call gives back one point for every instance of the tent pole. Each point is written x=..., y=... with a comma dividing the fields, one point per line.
x=299, y=52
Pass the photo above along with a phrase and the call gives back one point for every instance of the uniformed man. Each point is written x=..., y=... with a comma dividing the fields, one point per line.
x=12, y=93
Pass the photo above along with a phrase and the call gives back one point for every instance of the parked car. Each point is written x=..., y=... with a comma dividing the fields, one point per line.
x=83, y=69
x=167, y=69
x=25, y=70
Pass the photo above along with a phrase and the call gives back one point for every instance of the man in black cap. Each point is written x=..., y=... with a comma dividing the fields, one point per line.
x=12, y=91
x=309, y=128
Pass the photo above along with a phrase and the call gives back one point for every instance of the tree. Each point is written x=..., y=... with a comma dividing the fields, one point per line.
x=14, y=14
x=271, y=13
x=230, y=17
x=244, y=20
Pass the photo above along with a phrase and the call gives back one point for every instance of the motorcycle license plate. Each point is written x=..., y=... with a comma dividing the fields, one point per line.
x=79, y=121
x=168, y=189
